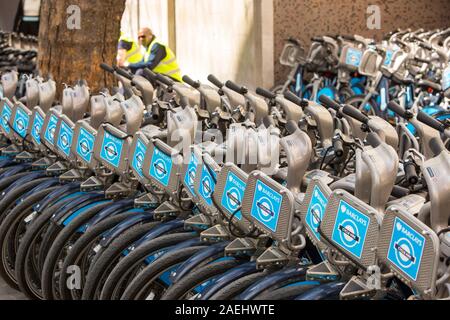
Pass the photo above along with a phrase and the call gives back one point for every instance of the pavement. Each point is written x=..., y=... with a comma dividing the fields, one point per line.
x=7, y=293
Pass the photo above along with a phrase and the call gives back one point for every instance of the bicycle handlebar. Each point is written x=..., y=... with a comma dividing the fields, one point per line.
x=429, y=121
x=123, y=73
x=192, y=83
x=233, y=86
x=149, y=74
x=330, y=103
x=398, y=110
x=164, y=80
x=212, y=78
x=288, y=95
x=266, y=93
x=106, y=68
x=355, y=114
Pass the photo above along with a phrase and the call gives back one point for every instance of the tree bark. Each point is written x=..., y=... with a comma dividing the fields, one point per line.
x=68, y=55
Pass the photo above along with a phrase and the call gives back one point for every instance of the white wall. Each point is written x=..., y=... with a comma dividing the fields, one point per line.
x=146, y=13
x=232, y=39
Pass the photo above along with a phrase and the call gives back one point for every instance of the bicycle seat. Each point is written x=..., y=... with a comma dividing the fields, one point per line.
x=425, y=84
x=9, y=84
x=32, y=92
x=47, y=94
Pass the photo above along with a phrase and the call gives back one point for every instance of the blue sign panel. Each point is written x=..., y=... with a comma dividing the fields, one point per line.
x=85, y=145
x=38, y=122
x=138, y=158
x=6, y=116
x=233, y=194
x=21, y=121
x=316, y=209
x=191, y=173
x=207, y=185
x=353, y=57
x=350, y=229
x=161, y=167
x=406, y=248
x=51, y=129
x=266, y=206
x=65, y=138
x=111, y=149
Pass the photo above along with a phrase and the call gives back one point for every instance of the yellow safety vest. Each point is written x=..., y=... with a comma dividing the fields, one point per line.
x=169, y=65
x=134, y=55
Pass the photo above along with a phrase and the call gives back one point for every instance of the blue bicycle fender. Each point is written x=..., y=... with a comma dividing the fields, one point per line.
x=272, y=279
x=73, y=211
x=6, y=162
x=75, y=204
x=326, y=291
x=29, y=177
x=160, y=230
x=66, y=220
x=115, y=208
x=200, y=257
x=55, y=195
x=182, y=245
x=51, y=182
x=128, y=223
x=227, y=278
x=14, y=170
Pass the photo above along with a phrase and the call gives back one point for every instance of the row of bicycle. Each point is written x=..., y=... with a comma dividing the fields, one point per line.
x=409, y=66
x=170, y=190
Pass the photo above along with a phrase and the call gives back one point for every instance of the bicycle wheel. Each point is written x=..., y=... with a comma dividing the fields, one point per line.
x=135, y=261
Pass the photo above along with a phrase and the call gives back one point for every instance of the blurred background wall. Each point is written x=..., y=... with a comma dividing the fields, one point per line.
x=242, y=39
x=305, y=19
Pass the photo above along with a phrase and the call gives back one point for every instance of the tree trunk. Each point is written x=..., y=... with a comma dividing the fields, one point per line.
x=69, y=51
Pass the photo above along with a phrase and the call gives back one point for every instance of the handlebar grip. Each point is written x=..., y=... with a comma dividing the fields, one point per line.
x=429, y=121
x=374, y=140
x=317, y=39
x=163, y=79
x=411, y=173
x=355, y=113
x=437, y=146
x=149, y=74
x=330, y=103
x=338, y=146
x=123, y=73
x=106, y=68
x=348, y=37
x=288, y=95
x=398, y=110
x=266, y=93
x=192, y=83
x=212, y=78
x=233, y=86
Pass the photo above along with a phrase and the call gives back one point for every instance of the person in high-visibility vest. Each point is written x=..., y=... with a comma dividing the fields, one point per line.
x=158, y=57
x=128, y=52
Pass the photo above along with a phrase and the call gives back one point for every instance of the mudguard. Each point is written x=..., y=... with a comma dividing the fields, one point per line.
x=271, y=280
x=72, y=215
x=128, y=223
x=75, y=204
x=114, y=209
x=56, y=195
x=324, y=292
x=29, y=177
x=227, y=278
x=161, y=230
x=15, y=170
x=51, y=182
x=210, y=252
